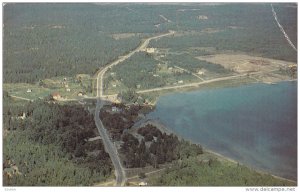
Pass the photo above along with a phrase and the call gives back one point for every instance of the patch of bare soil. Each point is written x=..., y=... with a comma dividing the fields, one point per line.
x=210, y=30
x=242, y=63
x=235, y=27
x=118, y=36
x=207, y=49
x=57, y=26
x=202, y=17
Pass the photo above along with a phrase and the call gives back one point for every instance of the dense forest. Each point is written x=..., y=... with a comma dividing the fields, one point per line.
x=40, y=37
x=121, y=120
x=194, y=172
x=44, y=137
x=287, y=18
x=155, y=148
x=249, y=28
x=78, y=37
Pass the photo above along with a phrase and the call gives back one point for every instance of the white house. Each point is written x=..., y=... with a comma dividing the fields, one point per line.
x=115, y=109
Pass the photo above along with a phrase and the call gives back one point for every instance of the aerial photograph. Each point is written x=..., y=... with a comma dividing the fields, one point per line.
x=141, y=94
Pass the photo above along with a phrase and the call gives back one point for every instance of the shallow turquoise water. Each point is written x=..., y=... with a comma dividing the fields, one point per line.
x=255, y=124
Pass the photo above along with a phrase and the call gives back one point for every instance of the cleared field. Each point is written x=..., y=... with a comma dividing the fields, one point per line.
x=76, y=87
x=146, y=70
x=241, y=63
x=20, y=90
x=117, y=36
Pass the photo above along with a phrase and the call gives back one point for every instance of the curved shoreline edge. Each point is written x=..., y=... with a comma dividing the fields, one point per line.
x=165, y=129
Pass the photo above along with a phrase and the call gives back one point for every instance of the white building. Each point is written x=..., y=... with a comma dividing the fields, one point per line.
x=150, y=50
x=115, y=109
x=202, y=17
x=143, y=183
x=200, y=72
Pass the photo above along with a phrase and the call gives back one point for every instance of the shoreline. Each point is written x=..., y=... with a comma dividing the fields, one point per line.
x=200, y=87
x=163, y=128
x=255, y=169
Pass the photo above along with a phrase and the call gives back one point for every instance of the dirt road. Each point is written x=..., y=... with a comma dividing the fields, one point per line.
x=22, y=98
x=282, y=30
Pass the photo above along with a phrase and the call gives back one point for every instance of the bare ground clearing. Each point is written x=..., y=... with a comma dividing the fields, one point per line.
x=242, y=63
x=118, y=36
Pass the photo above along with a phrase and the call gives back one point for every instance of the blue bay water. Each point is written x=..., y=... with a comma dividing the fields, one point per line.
x=254, y=124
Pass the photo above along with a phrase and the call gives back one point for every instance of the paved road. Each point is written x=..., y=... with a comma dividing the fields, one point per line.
x=202, y=82
x=142, y=46
x=109, y=146
x=199, y=83
x=192, y=84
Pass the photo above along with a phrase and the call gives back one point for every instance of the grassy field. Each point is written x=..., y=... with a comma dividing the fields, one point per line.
x=67, y=87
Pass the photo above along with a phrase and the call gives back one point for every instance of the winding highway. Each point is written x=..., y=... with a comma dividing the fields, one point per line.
x=108, y=144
